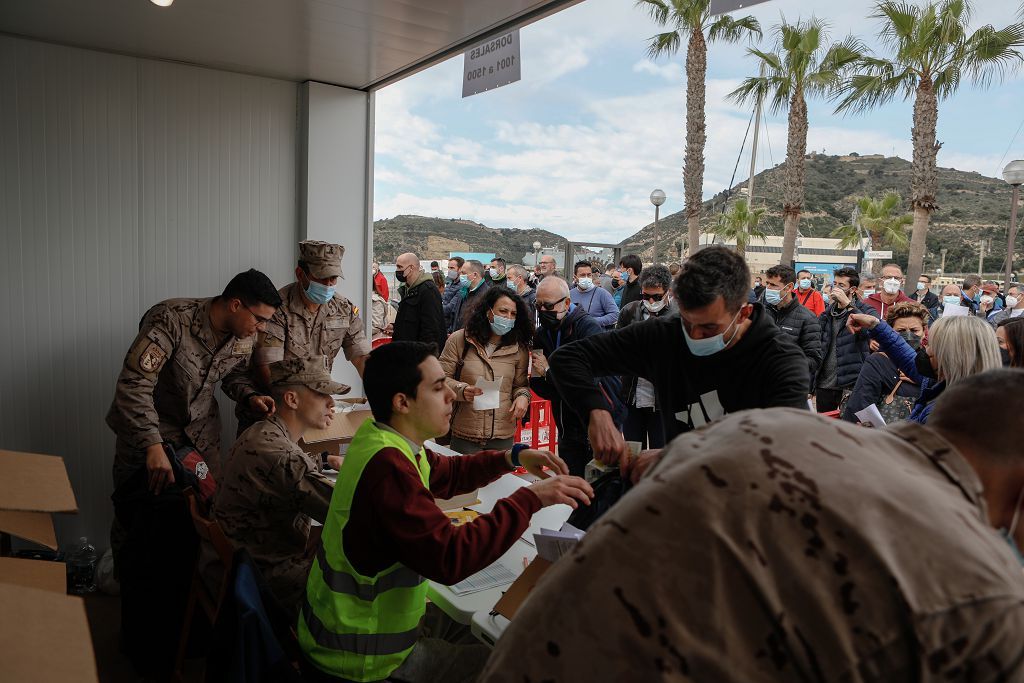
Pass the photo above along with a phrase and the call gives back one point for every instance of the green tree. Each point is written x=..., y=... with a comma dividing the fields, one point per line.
x=740, y=223
x=801, y=66
x=881, y=220
x=692, y=19
x=930, y=55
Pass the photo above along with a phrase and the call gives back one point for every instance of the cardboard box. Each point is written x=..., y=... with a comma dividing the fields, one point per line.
x=335, y=439
x=40, y=574
x=44, y=637
x=32, y=488
x=512, y=599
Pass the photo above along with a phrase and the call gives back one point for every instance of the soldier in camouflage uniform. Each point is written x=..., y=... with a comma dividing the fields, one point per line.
x=269, y=488
x=312, y=320
x=165, y=395
x=776, y=545
x=165, y=392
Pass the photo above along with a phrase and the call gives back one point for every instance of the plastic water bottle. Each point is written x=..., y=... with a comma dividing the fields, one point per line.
x=82, y=568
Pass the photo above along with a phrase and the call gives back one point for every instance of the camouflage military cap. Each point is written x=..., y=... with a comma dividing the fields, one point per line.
x=323, y=258
x=309, y=372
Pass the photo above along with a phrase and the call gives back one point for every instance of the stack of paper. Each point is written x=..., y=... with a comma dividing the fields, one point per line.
x=490, y=577
x=551, y=545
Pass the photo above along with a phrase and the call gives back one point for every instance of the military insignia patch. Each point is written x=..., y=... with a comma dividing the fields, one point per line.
x=152, y=359
x=242, y=347
x=202, y=469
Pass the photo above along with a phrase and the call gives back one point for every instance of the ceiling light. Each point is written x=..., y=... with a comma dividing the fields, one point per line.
x=162, y=3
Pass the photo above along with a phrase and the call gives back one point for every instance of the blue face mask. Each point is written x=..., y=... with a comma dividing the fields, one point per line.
x=502, y=326
x=805, y=283
x=318, y=293
x=464, y=280
x=951, y=300
x=772, y=296
x=711, y=345
x=512, y=286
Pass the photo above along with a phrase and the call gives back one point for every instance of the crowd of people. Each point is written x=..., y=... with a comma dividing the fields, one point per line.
x=758, y=541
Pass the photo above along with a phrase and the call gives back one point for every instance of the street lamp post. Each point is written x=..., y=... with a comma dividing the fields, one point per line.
x=657, y=198
x=942, y=268
x=1014, y=175
x=536, y=256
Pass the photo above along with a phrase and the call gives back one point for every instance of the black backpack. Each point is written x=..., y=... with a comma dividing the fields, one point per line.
x=608, y=489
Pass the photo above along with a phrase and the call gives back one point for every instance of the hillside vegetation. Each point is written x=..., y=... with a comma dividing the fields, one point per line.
x=973, y=207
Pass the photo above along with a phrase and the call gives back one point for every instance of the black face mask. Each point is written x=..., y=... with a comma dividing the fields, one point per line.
x=549, y=320
x=1005, y=353
x=400, y=276
x=912, y=339
x=924, y=364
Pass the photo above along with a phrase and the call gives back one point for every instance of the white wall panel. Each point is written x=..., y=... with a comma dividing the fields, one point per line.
x=333, y=190
x=122, y=182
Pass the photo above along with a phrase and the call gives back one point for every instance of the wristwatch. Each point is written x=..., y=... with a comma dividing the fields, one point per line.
x=515, y=451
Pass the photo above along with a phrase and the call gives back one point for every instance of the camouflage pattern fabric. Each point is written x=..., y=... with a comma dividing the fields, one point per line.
x=165, y=391
x=776, y=545
x=296, y=332
x=269, y=489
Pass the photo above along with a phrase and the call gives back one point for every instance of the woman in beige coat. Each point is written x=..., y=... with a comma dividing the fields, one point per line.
x=495, y=343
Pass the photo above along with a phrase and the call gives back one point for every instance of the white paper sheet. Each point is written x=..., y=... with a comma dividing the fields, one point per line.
x=871, y=416
x=552, y=545
x=491, y=398
x=954, y=310
x=489, y=577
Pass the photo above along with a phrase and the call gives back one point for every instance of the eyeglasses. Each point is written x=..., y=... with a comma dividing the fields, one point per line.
x=652, y=297
x=548, y=305
x=259, y=320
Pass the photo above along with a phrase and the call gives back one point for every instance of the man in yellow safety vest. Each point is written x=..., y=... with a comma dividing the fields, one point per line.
x=384, y=536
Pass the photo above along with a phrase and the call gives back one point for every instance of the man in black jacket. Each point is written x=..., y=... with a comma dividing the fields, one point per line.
x=721, y=355
x=795, y=320
x=643, y=420
x=924, y=294
x=420, y=316
x=472, y=286
x=843, y=353
x=562, y=322
x=631, y=266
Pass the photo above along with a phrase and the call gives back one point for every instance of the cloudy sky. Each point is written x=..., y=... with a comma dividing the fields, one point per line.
x=578, y=144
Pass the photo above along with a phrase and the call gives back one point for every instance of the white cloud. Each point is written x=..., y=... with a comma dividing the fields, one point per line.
x=670, y=71
x=565, y=152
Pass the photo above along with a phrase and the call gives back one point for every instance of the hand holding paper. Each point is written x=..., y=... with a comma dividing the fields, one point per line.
x=871, y=416
x=490, y=399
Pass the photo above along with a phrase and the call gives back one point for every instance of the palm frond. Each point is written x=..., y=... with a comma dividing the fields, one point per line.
x=658, y=10
x=664, y=44
x=730, y=30
x=898, y=20
x=991, y=54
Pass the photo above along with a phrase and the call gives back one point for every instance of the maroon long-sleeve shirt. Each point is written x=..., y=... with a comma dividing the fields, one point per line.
x=394, y=518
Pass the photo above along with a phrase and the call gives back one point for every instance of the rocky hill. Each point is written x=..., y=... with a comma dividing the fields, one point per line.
x=435, y=238
x=973, y=207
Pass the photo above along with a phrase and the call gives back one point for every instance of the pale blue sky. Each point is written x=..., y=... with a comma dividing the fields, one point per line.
x=578, y=144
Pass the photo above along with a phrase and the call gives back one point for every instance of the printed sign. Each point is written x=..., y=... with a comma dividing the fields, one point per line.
x=491, y=64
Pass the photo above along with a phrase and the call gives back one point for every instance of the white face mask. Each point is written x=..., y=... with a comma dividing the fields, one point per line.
x=585, y=284
x=655, y=306
x=1012, y=301
x=987, y=300
x=867, y=292
x=891, y=285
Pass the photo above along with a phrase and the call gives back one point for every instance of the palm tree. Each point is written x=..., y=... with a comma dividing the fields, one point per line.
x=693, y=18
x=931, y=53
x=741, y=224
x=800, y=67
x=878, y=220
